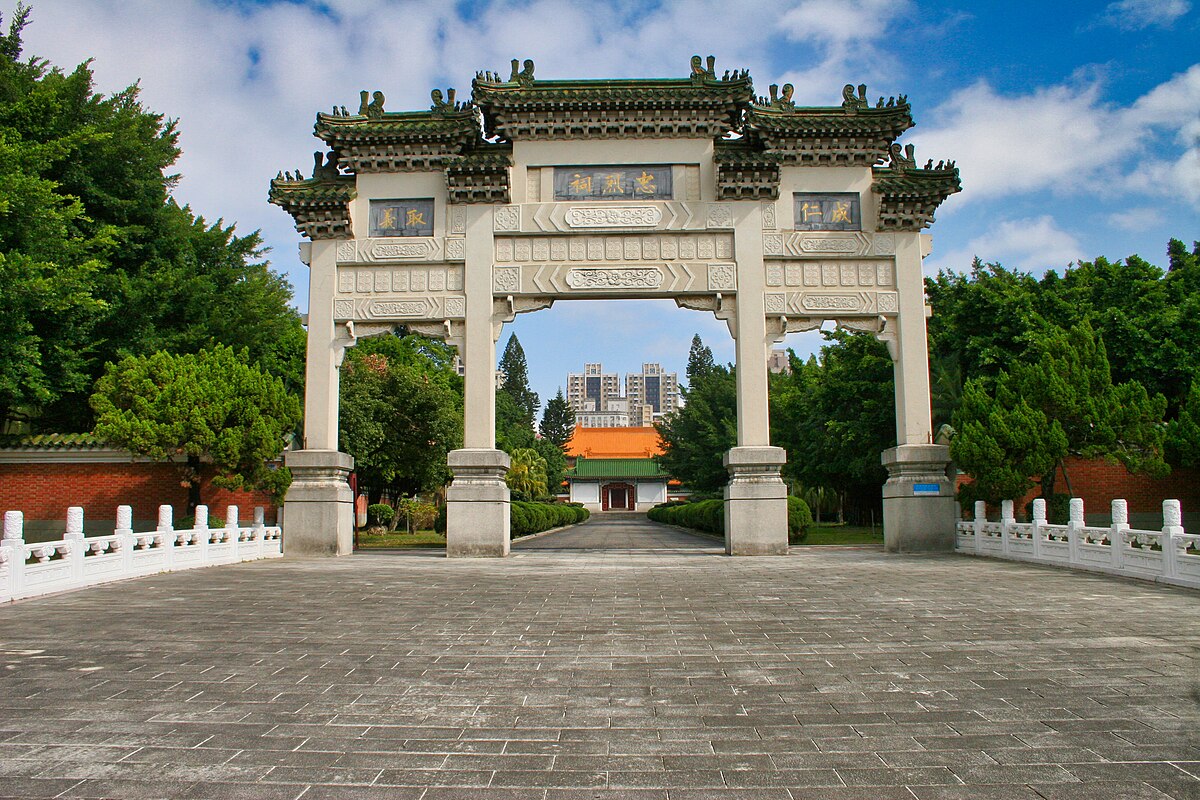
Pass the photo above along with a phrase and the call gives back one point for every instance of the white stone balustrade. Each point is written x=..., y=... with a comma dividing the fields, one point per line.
x=1170, y=555
x=76, y=560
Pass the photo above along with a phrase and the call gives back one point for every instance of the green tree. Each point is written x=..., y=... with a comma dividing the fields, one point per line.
x=527, y=475
x=696, y=436
x=1066, y=375
x=1183, y=434
x=700, y=360
x=515, y=383
x=97, y=262
x=558, y=421
x=213, y=404
x=1002, y=441
x=401, y=413
x=835, y=414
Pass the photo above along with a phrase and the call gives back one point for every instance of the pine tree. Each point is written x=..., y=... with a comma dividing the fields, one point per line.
x=558, y=421
x=516, y=381
x=700, y=360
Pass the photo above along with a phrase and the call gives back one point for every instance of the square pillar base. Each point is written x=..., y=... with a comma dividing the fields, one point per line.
x=318, y=510
x=477, y=504
x=919, y=509
x=755, y=502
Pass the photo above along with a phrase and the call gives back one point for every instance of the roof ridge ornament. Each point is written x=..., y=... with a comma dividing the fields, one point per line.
x=445, y=104
x=903, y=159
x=703, y=72
x=373, y=109
x=777, y=101
x=522, y=76
x=327, y=170
x=853, y=103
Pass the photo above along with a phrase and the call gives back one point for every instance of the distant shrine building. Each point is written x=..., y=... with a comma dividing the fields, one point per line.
x=773, y=217
x=613, y=469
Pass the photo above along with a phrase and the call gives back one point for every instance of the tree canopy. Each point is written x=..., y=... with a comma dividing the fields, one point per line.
x=97, y=261
x=401, y=413
x=213, y=404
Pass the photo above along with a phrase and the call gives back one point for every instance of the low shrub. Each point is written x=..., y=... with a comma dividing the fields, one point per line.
x=380, y=515
x=439, y=521
x=799, y=518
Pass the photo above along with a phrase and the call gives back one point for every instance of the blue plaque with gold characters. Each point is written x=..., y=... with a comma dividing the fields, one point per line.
x=613, y=183
x=402, y=217
x=837, y=211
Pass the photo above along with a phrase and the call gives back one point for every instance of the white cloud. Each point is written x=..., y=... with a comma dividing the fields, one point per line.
x=1136, y=15
x=1135, y=219
x=1067, y=139
x=1033, y=244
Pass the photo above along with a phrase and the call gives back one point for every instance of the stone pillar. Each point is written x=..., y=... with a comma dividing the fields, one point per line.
x=756, y=497
x=319, y=507
x=918, y=498
x=477, y=502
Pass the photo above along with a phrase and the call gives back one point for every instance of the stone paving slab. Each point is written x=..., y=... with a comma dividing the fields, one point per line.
x=664, y=672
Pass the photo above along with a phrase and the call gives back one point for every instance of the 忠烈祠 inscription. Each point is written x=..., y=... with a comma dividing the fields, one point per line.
x=612, y=183
x=838, y=211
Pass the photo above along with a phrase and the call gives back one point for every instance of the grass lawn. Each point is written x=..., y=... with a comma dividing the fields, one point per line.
x=368, y=541
x=828, y=533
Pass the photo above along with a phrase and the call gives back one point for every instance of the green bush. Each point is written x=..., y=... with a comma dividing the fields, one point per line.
x=799, y=518
x=380, y=514
x=439, y=522
x=706, y=515
x=534, y=517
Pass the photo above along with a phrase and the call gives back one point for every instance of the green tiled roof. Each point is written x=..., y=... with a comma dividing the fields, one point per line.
x=52, y=441
x=617, y=468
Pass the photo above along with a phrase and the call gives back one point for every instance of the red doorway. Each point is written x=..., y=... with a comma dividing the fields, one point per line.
x=617, y=497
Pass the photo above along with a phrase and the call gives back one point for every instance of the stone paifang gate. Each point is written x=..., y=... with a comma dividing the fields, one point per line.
x=774, y=217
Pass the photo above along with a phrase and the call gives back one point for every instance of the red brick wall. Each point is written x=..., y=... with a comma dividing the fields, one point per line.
x=43, y=491
x=1099, y=481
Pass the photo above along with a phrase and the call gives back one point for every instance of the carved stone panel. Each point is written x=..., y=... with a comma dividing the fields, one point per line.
x=400, y=308
x=568, y=217
x=615, y=248
x=376, y=250
x=857, y=273
x=826, y=244
x=720, y=215
x=826, y=304
x=394, y=279
x=613, y=216
x=614, y=278
x=507, y=218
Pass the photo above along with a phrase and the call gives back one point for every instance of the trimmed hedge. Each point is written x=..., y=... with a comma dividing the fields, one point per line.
x=709, y=516
x=526, y=518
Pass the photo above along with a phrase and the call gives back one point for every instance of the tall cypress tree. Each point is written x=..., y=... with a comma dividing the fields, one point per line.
x=700, y=361
x=558, y=421
x=516, y=381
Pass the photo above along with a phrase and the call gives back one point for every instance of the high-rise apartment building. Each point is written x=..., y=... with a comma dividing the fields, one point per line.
x=597, y=399
x=654, y=388
x=592, y=389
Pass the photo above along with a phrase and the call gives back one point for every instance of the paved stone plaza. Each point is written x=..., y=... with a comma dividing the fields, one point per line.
x=663, y=672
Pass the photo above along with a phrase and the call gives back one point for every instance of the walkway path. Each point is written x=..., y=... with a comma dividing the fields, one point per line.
x=623, y=531
x=830, y=674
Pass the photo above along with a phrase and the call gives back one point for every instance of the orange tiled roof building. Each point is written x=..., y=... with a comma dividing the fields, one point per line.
x=612, y=469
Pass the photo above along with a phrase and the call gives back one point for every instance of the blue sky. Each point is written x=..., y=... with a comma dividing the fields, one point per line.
x=1076, y=125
